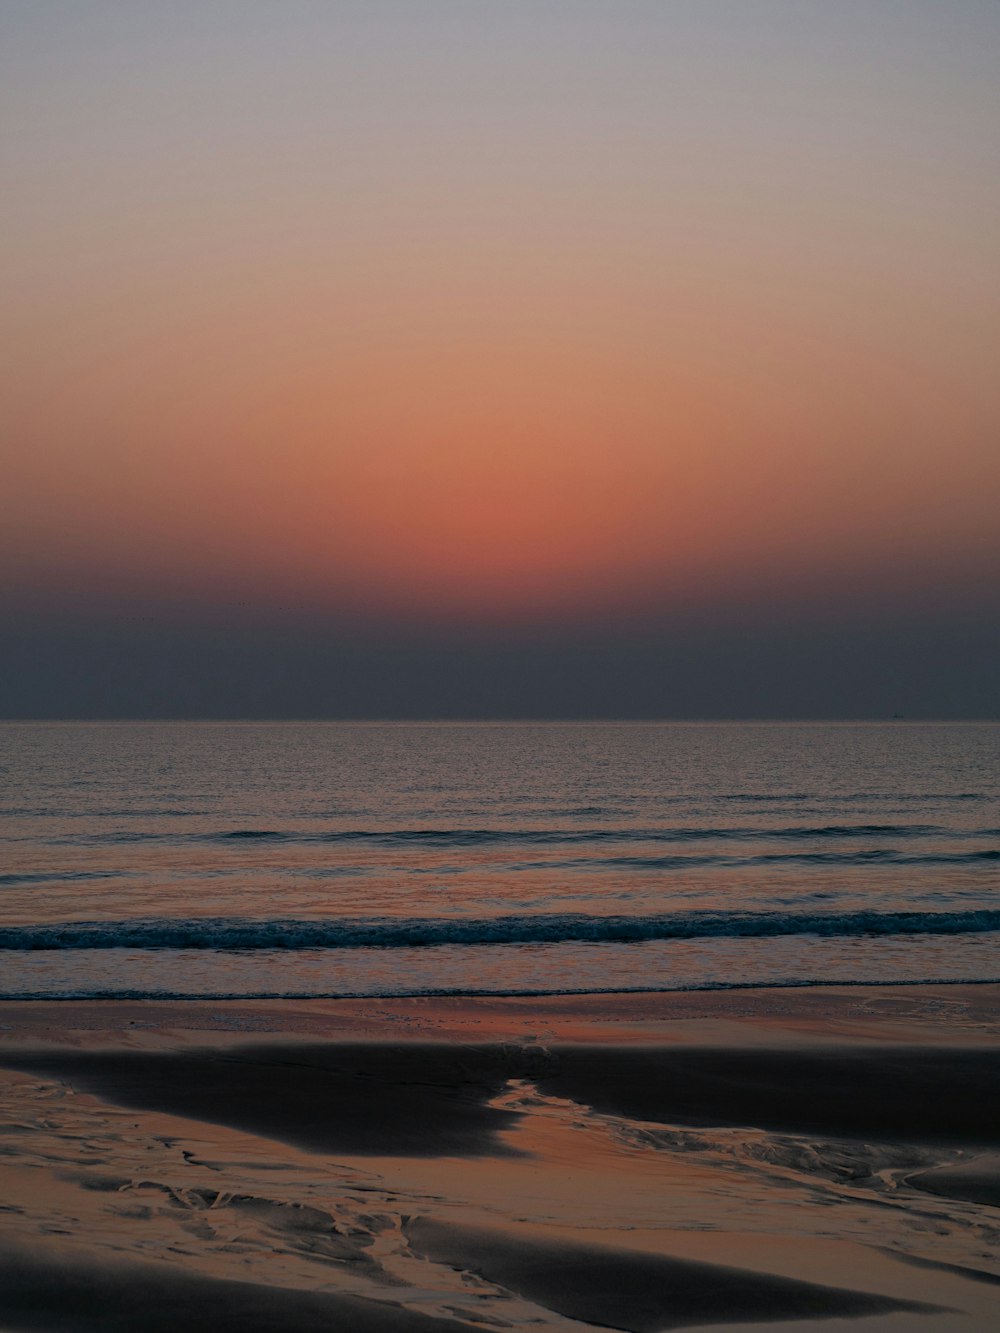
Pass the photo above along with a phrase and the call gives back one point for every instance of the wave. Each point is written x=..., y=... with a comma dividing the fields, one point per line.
x=476, y=837
x=226, y=934
x=459, y=838
x=766, y=799
x=527, y=992
x=481, y=836
x=868, y=856
x=17, y=879
x=847, y=798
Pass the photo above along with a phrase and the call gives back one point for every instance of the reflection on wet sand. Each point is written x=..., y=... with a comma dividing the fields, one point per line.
x=555, y=1179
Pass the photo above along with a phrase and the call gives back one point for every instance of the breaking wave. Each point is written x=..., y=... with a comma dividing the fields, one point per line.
x=230, y=934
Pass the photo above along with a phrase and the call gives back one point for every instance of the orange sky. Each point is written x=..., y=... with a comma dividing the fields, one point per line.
x=542, y=313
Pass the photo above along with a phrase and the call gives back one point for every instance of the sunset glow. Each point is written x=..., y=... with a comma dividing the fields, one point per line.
x=481, y=315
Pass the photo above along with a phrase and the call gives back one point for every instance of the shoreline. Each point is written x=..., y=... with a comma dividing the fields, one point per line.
x=936, y=1010
x=444, y=993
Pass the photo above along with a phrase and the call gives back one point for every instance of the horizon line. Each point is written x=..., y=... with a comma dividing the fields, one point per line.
x=430, y=720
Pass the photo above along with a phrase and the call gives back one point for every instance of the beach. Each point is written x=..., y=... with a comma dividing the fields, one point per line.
x=500, y=1026
x=500, y=667
x=792, y=1158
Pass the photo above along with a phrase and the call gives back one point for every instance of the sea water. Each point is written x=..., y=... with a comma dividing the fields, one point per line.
x=297, y=859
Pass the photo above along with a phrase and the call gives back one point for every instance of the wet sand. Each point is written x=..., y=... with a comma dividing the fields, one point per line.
x=424, y=1099
x=76, y=1294
x=800, y=1159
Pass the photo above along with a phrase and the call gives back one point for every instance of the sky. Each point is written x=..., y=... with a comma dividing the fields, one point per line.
x=404, y=358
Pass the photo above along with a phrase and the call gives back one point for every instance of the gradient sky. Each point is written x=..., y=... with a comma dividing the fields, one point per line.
x=401, y=336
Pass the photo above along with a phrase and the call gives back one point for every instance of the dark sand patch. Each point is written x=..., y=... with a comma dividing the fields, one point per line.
x=71, y=1295
x=938, y=1266
x=898, y=1094
x=634, y=1291
x=426, y=1099
x=977, y=1181
x=409, y=1100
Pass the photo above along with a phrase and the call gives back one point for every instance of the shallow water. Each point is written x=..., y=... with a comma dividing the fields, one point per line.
x=333, y=859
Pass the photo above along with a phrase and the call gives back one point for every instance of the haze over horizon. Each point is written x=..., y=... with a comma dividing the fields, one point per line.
x=442, y=359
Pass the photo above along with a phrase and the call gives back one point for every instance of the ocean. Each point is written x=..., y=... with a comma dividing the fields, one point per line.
x=374, y=859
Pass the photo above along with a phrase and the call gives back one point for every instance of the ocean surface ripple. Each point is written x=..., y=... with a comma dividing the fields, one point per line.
x=377, y=859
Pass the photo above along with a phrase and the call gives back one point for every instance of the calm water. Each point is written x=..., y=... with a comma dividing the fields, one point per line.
x=336, y=859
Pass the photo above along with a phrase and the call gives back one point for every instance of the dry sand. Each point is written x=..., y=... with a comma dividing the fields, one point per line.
x=820, y=1158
